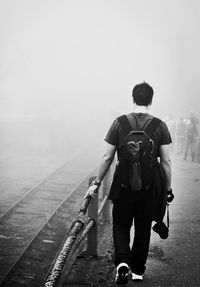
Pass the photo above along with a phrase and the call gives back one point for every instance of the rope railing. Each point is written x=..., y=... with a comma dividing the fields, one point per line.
x=82, y=225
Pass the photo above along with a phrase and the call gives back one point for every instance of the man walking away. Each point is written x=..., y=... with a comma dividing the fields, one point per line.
x=141, y=182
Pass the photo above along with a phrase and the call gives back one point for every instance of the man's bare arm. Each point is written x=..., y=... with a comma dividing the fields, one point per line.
x=106, y=161
x=165, y=162
x=104, y=166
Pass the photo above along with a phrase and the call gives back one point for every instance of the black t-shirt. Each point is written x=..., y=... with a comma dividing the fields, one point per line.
x=140, y=120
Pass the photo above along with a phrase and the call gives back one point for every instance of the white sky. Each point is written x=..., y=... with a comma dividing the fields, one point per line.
x=61, y=56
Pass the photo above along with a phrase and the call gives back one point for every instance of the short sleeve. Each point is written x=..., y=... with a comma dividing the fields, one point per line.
x=113, y=132
x=165, y=137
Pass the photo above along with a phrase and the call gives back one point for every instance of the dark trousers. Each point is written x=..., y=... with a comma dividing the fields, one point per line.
x=125, y=210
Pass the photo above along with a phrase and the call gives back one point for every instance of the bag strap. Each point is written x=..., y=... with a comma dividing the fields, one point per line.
x=127, y=127
x=125, y=124
x=150, y=129
x=167, y=215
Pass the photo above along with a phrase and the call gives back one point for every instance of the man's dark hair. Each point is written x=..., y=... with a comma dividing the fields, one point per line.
x=142, y=94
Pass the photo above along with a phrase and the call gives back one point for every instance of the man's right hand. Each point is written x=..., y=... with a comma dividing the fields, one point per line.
x=92, y=191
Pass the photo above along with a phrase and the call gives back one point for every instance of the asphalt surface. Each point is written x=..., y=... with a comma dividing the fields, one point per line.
x=171, y=262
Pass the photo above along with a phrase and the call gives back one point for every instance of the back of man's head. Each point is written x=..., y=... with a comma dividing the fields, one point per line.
x=142, y=94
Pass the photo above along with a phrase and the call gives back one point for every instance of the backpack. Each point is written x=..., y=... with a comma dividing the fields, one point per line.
x=137, y=155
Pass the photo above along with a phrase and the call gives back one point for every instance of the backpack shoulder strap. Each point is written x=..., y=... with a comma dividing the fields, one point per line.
x=125, y=124
x=150, y=129
x=127, y=127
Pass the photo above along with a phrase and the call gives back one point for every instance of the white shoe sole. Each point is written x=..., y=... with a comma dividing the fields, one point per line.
x=136, y=277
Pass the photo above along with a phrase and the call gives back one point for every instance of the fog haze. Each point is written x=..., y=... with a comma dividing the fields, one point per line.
x=68, y=67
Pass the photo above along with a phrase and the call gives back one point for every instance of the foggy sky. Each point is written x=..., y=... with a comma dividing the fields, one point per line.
x=76, y=61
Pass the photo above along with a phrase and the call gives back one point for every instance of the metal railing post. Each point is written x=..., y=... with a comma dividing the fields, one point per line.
x=92, y=234
x=106, y=209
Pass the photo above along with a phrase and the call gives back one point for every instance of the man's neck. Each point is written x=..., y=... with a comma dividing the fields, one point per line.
x=141, y=109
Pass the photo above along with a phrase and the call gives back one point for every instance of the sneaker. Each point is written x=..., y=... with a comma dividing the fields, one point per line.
x=122, y=274
x=136, y=277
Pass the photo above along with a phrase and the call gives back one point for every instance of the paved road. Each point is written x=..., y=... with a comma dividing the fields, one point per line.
x=171, y=262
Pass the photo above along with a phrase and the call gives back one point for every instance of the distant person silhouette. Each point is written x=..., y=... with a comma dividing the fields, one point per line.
x=191, y=134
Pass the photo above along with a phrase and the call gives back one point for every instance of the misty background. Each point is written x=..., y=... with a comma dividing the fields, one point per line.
x=67, y=68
